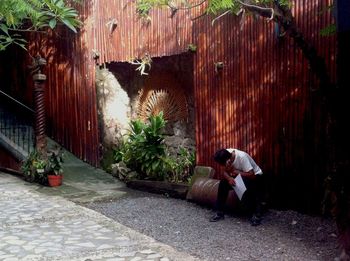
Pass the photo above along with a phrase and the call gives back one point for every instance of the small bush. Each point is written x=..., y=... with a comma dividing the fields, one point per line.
x=35, y=167
x=144, y=151
x=181, y=168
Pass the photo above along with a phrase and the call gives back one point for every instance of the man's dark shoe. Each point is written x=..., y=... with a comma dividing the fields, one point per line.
x=255, y=220
x=216, y=217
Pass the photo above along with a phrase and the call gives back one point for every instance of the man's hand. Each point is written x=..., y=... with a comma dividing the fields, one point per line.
x=232, y=172
x=231, y=181
x=229, y=177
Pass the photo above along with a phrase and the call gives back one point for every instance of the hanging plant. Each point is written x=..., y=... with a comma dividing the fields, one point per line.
x=143, y=64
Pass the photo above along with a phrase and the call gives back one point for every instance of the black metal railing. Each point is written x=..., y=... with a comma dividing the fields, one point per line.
x=16, y=123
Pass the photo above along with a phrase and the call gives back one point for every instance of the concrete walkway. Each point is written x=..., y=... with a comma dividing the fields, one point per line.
x=43, y=223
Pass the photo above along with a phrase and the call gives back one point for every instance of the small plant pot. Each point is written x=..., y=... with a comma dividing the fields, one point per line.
x=54, y=180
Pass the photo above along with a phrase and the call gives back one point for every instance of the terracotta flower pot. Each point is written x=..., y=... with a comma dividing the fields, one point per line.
x=55, y=180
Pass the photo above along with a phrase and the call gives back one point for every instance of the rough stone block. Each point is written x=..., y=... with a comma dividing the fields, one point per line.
x=202, y=171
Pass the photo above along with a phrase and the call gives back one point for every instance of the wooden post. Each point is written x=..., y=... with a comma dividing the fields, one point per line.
x=39, y=105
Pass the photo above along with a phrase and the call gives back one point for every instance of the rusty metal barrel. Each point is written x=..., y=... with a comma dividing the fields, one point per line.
x=204, y=189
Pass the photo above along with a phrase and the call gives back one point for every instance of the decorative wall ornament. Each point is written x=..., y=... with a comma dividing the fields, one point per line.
x=218, y=66
x=163, y=94
x=143, y=63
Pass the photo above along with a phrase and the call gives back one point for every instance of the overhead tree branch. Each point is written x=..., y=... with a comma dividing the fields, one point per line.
x=218, y=17
x=262, y=11
x=187, y=7
x=26, y=30
x=199, y=16
x=174, y=8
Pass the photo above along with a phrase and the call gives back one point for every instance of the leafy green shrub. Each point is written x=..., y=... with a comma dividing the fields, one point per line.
x=35, y=167
x=181, y=168
x=55, y=161
x=144, y=151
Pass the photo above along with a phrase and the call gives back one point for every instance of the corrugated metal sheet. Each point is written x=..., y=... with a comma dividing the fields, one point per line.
x=133, y=37
x=71, y=93
x=70, y=90
x=262, y=101
x=265, y=99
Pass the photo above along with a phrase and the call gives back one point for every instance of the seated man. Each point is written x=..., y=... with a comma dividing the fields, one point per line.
x=239, y=162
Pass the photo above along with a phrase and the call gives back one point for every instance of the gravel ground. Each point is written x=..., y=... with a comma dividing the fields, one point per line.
x=283, y=235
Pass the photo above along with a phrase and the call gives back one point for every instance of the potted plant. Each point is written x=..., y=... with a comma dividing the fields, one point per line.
x=44, y=169
x=34, y=168
x=55, y=170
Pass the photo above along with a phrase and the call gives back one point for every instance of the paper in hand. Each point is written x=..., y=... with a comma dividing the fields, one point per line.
x=240, y=187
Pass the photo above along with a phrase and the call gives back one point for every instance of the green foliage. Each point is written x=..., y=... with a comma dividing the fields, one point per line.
x=55, y=161
x=35, y=167
x=181, y=168
x=192, y=47
x=144, y=151
x=55, y=12
x=328, y=30
x=143, y=7
x=6, y=39
x=33, y=16
x=215, y=6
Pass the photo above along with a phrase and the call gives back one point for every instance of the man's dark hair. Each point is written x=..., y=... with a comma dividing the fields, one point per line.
x=221, y=156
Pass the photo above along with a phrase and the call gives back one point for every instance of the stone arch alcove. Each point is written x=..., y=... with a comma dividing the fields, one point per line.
x=123, y=94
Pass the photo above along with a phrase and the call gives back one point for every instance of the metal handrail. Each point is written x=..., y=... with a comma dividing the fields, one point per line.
x=16, y=101
x=16, y=126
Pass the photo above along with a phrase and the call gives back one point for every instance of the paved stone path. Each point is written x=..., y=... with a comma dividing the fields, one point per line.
x=36, y=226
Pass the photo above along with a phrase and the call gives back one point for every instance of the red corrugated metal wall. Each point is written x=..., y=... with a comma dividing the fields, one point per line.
x=71, y=93
x=133, y=37
x=265, y=99
x=70, y=88
x=71, y=96
x=262, y=101
x=70, y=85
